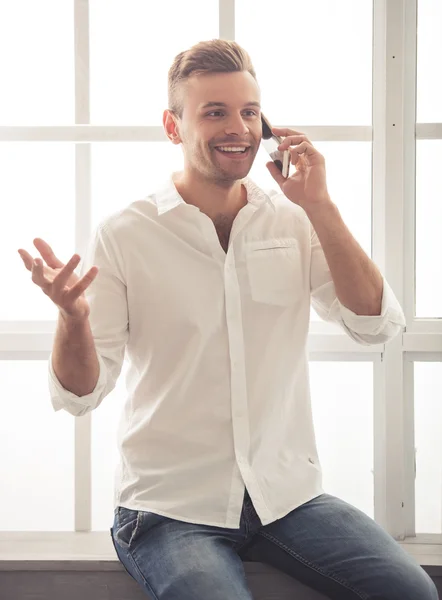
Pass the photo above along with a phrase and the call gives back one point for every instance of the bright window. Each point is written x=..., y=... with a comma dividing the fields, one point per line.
x=132, y=45
x=37, y=450
x=313, y=59
x=428, y=445
x=429, y=59
x=37, y=62
x=37, y=183
x=342, y=402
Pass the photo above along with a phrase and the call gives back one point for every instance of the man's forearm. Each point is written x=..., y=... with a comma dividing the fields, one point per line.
x=74, y=357
x=358, y=281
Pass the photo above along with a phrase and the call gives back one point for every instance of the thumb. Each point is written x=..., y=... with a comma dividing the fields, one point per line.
x=276, y=173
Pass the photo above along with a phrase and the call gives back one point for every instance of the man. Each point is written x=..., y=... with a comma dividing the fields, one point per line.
x=206, y=284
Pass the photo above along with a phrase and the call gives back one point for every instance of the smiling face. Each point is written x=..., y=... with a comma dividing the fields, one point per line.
x=220, y=125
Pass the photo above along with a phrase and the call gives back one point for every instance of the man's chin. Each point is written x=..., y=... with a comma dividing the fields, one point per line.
x=224, y=177
x=235, y=173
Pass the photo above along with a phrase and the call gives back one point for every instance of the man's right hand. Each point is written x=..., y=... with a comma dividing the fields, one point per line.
x=58, y=281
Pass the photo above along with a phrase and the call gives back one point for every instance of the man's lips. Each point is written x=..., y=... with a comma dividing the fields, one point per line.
x=233, y=155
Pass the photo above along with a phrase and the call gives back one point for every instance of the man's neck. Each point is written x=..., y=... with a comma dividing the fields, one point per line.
x=211, y=198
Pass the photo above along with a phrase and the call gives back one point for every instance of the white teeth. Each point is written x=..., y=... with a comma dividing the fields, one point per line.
x=231, y=149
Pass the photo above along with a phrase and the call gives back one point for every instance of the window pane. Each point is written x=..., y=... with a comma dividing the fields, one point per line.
x=37, y=62
x=105, y=456
x=429, y=59
x=37, y=478
x=349, y=183
x=128, y=171
x=428, y=446
x=342, y=403
x=320, y=73
x=428, y=226
x=132, y=46
x=38, y=186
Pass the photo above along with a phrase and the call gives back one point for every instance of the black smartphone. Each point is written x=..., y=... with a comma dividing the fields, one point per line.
x=270, y=142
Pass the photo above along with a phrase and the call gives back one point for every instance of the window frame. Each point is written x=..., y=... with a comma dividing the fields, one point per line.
x=393, y=134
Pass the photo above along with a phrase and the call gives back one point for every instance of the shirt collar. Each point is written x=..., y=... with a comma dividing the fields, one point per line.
x=168, y=197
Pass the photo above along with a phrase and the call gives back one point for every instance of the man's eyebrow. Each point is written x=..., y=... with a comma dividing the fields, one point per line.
x=223, y=104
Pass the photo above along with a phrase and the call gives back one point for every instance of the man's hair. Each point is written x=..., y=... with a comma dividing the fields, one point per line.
x=214, y=56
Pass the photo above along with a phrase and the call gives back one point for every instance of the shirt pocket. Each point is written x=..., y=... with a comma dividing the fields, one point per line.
x=275, y=271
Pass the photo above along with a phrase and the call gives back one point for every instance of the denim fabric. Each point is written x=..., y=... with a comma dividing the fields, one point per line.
x=327, y=544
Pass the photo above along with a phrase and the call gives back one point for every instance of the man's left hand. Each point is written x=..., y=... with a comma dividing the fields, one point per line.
x=307, y=187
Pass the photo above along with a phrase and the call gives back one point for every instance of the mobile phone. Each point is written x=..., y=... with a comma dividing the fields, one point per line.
x=270, y=142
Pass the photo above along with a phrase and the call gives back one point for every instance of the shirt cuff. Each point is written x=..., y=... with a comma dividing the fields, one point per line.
x=62, y=398
x=391, y=312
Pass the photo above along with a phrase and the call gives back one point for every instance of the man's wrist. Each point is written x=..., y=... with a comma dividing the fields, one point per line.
x=321, y=209
x=71, y=322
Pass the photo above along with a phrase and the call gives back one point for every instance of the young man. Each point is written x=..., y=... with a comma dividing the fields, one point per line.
x=207, y=285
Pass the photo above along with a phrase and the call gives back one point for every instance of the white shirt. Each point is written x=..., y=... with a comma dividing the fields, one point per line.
x=218, y=386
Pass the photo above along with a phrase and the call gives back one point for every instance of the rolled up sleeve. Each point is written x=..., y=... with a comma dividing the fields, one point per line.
x=364, y=329
x=76, y=405
x=371, y=329
x=108, y=319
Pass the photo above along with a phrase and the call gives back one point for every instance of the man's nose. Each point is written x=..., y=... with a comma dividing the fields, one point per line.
x=236, y=126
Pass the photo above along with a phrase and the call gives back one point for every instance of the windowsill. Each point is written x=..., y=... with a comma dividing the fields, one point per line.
x=75, y=550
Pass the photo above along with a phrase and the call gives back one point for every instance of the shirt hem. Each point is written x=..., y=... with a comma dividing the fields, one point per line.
x=223, y=525
x=169, y=515
x=285, y=512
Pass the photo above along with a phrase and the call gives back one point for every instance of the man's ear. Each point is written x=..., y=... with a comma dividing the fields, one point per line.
x=171, y=127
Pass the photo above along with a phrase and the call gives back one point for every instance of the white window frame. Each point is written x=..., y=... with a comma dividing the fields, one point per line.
x=393, y=134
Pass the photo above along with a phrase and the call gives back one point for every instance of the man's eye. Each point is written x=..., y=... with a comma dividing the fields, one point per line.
x=219, y=113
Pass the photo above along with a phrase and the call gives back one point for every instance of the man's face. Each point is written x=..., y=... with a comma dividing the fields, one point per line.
x=220, y=127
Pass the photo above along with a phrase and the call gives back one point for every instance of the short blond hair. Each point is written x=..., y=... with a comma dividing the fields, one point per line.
x=214, y=56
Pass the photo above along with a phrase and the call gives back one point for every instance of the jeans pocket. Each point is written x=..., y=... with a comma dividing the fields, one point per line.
x=128, y=523
x=121, y=554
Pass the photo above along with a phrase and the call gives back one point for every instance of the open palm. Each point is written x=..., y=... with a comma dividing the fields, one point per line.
x=58, y=280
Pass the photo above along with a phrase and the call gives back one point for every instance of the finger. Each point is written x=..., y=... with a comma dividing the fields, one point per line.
x=292, y=140
x=276, y=173
x=296, y=158
x=62, y=277
x=284, y=131
x=48, y=254
x=306, y=149
x=81, y=285
x=291, y=137
x=26, y=258
x=37, y=274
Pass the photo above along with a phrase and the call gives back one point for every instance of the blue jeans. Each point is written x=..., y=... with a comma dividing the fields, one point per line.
x=327, y=544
